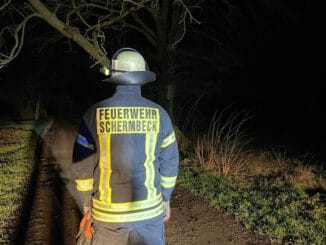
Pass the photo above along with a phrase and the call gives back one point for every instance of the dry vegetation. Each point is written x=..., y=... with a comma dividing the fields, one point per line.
x=221, y=148
x=225, y=149
x=279, y=196
x=276, y=163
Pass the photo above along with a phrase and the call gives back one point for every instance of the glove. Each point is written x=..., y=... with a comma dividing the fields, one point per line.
x=84, y=236
x=86, y=210
x=166, y=211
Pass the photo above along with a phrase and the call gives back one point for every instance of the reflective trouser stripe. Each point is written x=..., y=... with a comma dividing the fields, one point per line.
x=127, y=217
x=128, y=206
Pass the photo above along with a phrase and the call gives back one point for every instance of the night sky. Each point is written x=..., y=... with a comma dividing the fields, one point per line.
x=272, y=63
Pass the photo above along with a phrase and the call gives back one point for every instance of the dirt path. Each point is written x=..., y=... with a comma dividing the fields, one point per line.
x=54, y=215
x=194, y=221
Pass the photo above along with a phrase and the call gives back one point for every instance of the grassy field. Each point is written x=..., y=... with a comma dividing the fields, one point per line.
x=280, y=197
x=17, y=159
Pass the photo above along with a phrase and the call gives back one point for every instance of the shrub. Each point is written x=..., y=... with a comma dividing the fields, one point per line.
x=221, y=148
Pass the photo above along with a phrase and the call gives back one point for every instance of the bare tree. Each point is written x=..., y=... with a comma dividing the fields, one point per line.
x=85, y=22
x=82, y=21
x=164, y=24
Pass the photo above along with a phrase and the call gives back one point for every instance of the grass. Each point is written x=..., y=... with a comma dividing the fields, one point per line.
x=17, y=157
x=267, y=191
x=268, y=204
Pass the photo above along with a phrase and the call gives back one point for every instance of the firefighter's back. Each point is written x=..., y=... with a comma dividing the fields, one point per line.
x=128, y=136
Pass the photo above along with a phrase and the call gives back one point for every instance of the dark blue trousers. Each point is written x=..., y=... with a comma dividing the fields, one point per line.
x=148, y=232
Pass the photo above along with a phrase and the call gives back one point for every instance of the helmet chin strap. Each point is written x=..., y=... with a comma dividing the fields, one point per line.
x=116, y=70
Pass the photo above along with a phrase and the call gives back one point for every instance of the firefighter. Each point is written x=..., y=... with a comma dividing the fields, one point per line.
x=126, y=159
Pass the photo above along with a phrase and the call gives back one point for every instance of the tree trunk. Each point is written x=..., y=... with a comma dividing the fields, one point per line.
x=166, y=78
x=166, y=59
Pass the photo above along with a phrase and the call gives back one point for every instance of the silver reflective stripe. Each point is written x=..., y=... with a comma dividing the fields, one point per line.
x=168, y=140
x=150, y=145
x=83, y=141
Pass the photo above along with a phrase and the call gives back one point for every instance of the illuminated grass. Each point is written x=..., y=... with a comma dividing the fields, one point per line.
x=17, y=150
x=269, y=205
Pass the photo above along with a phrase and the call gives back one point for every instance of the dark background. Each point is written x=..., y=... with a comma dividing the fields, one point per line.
x=271, y=62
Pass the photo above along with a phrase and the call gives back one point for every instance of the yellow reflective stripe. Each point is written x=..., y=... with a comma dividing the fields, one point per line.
x=168, y=140
x=84, y=184
x=168, y=182
x=105, y=167
x=150, y=145
x=101, y=191
x=129, y=217
x=107, y=115
x=127, y=206
x=108, y=170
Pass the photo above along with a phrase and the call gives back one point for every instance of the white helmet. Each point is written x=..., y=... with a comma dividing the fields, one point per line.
x=128, y=67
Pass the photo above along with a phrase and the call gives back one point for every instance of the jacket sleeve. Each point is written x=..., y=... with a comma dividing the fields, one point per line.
x=169, y=159
x=84, y=162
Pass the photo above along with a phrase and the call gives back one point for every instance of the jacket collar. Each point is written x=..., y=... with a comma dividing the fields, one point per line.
x=128, y=89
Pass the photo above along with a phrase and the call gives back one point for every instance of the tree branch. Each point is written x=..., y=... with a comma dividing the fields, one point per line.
x=179, y=33
x=5, y=4
x=115, y=19
x=143, y=25
x=70, y=32
x=17, y=34
x=187, y=11
x=142, y=31
x=79, y=15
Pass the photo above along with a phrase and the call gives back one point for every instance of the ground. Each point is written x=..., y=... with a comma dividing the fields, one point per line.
x=54, y=216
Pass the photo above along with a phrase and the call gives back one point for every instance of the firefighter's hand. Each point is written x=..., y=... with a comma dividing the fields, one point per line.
x=166, y=211
x=84, y=236
x=86, y=209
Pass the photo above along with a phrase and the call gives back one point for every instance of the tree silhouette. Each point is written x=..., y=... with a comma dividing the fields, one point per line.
x=83, y=22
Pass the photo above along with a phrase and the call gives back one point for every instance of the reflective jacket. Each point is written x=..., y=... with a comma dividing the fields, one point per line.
x=126, y=155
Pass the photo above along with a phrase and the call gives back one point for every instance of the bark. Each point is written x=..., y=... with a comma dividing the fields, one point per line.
x=166, y=58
